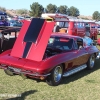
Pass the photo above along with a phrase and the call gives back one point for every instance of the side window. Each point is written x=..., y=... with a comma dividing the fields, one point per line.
x=80, y=43
x=75, y=45
x=66, y=24
x=75, y=24
x=63, y=24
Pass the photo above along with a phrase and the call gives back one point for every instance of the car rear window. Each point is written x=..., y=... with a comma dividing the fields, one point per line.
x=64, y=43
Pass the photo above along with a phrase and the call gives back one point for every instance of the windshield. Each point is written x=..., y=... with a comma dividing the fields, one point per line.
x=62, y=43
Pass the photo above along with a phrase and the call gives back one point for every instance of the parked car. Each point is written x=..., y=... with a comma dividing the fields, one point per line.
x=8, y=37
x=15, y=23
x=3, y=21
x=93, y=30
x=98, y=41
x=39, y=54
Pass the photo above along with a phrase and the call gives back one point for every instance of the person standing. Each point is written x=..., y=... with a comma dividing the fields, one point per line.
x=56, y=27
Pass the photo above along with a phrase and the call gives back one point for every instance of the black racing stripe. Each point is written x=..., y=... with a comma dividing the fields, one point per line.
x=27, y=47
x=34, y=30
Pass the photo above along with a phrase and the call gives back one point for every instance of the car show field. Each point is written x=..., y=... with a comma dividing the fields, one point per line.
x=60, y=52
x=80, y=86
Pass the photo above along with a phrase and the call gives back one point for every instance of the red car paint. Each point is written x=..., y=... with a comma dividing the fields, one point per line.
x=76, y=28
x=39, y=63
x=98, y=41
x=73, y=26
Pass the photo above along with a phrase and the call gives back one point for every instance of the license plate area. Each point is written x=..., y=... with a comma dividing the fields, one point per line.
x=14, y=69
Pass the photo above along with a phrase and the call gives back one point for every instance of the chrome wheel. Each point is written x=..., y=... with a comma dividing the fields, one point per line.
x=92, y=61
x=57, y=73
x=56, y=76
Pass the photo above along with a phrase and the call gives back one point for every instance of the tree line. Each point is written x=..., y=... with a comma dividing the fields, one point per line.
x=37, y=9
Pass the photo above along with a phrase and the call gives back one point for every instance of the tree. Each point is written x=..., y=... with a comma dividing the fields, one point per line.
x=3, y=9
x=36, y=9
x=63, y=9
x=22, y=11
x=73, y=11
x=96, y=16
x=51, y=8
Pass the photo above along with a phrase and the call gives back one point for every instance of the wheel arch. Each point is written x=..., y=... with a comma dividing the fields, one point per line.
x=63, y=65
x=95, y=54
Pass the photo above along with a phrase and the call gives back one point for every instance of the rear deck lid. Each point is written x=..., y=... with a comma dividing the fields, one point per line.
x=33, y=39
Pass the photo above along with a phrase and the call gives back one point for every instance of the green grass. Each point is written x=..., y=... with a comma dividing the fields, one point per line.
x=84, y=85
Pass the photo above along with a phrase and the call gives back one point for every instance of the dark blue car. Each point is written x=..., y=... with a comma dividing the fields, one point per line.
x=3, y=19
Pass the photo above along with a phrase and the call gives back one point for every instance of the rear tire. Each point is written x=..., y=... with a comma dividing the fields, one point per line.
x=56, y=76
x=8, y=72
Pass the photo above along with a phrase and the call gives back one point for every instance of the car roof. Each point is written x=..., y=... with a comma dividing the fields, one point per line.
x=65, y=35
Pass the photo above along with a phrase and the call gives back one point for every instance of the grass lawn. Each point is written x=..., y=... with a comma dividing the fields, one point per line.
x=84, y=85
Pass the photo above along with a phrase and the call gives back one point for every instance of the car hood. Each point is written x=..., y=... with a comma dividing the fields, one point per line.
x=33, y=39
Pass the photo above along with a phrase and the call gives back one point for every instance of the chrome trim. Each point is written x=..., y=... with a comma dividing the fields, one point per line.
x=21, y=72
x=57, y=74
x=34, y=74
x=75, y=70
x=3, y=67
x=98, y=56
x=92, y=61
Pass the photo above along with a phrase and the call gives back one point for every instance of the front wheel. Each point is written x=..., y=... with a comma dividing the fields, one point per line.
x=56, y=76
x=91, y=62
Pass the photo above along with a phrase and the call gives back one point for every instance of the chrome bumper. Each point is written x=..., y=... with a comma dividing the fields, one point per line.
x=19, y=71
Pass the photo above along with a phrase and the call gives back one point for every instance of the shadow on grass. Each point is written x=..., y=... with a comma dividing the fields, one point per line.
x=80, y=74
x=23, y=95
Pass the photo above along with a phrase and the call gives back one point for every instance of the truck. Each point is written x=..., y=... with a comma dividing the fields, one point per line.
x=72, y=25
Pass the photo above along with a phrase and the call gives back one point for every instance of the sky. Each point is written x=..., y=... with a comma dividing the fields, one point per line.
x=86, y=7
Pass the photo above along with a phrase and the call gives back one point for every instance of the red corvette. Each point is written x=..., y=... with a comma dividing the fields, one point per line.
x=39, y=54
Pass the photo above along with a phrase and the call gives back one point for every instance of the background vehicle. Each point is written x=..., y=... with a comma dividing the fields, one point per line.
x=15, y=23
x=46, y=16
x=3, y=19
x=93, y=30
x=73, y=25
x=8, y=37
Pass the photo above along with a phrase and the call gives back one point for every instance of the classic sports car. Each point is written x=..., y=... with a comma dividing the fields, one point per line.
x=38, y=53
